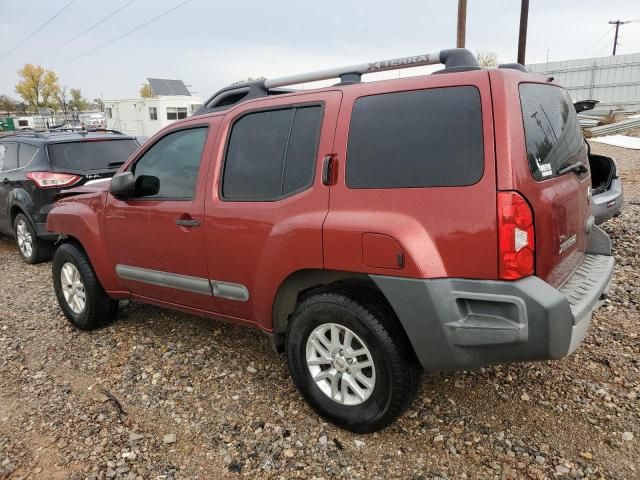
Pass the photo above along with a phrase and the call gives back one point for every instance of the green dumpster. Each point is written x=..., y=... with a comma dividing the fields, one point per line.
x=6, y=125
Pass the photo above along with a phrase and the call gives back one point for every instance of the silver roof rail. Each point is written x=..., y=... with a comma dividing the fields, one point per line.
x=453, y=59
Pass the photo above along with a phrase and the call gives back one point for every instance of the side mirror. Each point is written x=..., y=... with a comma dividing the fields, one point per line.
x=123, y=185
x=147, y=186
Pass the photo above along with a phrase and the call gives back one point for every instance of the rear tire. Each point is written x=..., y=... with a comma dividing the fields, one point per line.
x=80, y=295
x=326, y=332
x=31, y=248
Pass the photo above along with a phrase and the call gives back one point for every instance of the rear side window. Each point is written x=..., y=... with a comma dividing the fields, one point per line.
x=26, y=154
x=271, y=154
x=553, y=136
x=91, y=155
x=8, y=156
x=422, y=138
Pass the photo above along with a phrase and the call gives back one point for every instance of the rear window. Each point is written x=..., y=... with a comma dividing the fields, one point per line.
x=422, y=138
x=553, y=136
x=91, y=155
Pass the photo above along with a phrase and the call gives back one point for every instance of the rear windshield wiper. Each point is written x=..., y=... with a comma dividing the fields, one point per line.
x=576, y=168
x=115, y=164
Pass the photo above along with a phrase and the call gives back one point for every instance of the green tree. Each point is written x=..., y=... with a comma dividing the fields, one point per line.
x=8, y=104
x=99, y=104
x=77, y=101
x=38, y=86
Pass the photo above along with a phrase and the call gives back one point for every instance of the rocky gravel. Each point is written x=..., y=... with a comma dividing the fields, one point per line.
x=165, y=395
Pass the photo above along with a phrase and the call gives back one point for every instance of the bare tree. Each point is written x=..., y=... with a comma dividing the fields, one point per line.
x=487, y=59
x=61, y=98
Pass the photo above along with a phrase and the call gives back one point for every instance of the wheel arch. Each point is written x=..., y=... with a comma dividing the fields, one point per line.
x=304, y=282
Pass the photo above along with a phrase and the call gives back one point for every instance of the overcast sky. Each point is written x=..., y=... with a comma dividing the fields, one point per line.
x=210, y=44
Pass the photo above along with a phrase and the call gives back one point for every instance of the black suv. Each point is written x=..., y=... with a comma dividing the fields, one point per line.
x=35, y=166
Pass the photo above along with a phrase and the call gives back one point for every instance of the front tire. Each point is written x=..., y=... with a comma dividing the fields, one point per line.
x=350, y=359
x=31, y=248
x=80, y=295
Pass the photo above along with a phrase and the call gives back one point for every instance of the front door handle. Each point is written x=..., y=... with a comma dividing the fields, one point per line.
x=188, y=222
x=6, y=180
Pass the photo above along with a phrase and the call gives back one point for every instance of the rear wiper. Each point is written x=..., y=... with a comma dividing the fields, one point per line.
x=576, y=168
x=115, y=164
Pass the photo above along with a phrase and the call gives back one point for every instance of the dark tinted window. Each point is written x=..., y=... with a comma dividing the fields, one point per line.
x=26, y=154
x=8, y=156
x=175, y=161
x=423, y=138
x=272, y=154
x=91, y=155
x=553, y=136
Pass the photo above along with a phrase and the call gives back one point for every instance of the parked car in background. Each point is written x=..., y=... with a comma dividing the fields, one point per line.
x=439, y=221
x=607, y=193
x=35, y=166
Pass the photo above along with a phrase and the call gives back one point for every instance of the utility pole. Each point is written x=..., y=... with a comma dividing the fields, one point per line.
x=522, y=38
x=617, y=23
x=462, y=23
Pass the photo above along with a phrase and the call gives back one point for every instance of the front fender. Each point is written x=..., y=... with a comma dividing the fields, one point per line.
x=84, y=221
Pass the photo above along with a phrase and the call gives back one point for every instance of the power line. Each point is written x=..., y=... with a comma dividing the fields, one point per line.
x=37, y=30
x=158, y=17
x=100, y=22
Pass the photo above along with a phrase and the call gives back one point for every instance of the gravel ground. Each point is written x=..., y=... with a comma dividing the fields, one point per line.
x=164, y=395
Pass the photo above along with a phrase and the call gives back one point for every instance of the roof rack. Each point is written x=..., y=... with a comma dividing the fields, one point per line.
x=454, y=60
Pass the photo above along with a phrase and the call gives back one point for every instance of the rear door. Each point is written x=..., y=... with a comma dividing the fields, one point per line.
x=8, y=172
x=539, y=143
x=266, y=204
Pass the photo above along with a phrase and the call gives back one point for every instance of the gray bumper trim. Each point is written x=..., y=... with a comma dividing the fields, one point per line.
x=459, y=323
x=606, y=204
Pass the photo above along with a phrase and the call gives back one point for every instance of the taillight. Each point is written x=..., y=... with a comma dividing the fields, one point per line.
x=53, y=180
x=516, y=245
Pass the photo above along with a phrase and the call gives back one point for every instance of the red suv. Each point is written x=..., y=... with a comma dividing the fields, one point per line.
x=440, y=221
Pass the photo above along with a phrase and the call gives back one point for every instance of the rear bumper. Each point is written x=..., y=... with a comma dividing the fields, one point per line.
x=607, y=204
x=458, y=323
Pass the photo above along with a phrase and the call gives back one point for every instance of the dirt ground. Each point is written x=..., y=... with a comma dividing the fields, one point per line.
x=164, y=395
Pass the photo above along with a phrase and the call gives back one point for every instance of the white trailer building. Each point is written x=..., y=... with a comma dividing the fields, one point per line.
x=170, y=101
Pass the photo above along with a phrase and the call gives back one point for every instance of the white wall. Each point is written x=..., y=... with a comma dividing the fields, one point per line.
x=614, y=81
x=131, y=116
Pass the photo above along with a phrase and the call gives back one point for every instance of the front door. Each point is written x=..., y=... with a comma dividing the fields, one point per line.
x=157, y=236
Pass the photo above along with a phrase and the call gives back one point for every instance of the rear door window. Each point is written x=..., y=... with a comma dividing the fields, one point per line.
x=415, y=139
x=26, y=154
x=92, y=154
x=552, y=132
x=271, y=154
x=8, y=156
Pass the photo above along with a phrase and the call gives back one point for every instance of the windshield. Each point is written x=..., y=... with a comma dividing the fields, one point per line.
x=553, y=136
x=91, y=155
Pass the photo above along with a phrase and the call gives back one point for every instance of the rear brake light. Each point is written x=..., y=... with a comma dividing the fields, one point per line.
x=53, y=180
x=516, y=245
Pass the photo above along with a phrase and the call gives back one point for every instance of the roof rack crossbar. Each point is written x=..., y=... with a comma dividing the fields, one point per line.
x=451, y=58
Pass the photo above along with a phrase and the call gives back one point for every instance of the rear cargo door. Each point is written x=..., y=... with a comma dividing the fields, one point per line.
x=545, y=154
x=93, y=158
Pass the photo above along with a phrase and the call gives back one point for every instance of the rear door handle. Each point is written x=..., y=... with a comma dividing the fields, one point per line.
x=191, y=222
